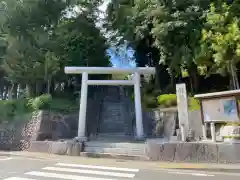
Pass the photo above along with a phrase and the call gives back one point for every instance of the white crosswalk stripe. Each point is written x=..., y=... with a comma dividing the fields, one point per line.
x=98, y=167
x=5, y=158
x=79, y=172
x=19, y=178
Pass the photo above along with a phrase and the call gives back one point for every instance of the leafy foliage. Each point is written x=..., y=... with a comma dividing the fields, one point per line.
x=9, y=109
x=167, y=100
x=170, y=100
x=199, y=37
x=149, y=101
x=165, y=34
x=222, y=37
x=39, y=38
x=41, y=102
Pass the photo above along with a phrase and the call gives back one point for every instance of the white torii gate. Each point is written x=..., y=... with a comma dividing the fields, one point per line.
x=109, y=70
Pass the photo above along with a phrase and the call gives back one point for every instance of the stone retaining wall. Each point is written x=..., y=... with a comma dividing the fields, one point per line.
x=194, y=152
x=17, y=135
x=38, y=126
x=168, y=152
x=71, y=148
x=166, y=122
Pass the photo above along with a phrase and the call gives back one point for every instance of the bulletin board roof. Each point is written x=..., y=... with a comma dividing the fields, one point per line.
x=232, y=93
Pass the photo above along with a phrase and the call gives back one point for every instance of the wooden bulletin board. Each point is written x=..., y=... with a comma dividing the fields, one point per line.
x=223, y=109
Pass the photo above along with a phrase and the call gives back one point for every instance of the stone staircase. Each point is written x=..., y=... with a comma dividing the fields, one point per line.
x=113, y=113
x=115, y=138
x=118, y=148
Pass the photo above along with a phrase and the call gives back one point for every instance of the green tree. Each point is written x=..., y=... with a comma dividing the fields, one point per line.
x=165, y=32
x=222, y=37
x=42, y=37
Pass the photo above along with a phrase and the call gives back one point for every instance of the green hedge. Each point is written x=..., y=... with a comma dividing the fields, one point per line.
x=149, y=102
x=20, y=107
x=170, y=100
x=167, y=100
x=11, y=108
x=41, y=102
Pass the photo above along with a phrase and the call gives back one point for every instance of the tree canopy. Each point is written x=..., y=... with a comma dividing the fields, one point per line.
x=38, y=38
x=199, y=37
x=188, y=41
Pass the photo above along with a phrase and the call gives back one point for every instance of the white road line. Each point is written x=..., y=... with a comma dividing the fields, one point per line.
x=63, y=176
x=18, y=178
x=5, y=159
x=83, y=171
x=97, y=167
x=192, y=174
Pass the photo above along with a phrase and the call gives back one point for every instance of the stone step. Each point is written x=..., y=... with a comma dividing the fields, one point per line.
x=111, y=117
x=115, y=134
x=114, y=156
x=102, y=144
x=124, y=147
x=111, y=98
x=115, y=123
x=111, y=129
x=126, y=151
x=113, y=138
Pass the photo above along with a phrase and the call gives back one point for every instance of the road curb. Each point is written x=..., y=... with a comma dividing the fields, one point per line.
x=152, y=164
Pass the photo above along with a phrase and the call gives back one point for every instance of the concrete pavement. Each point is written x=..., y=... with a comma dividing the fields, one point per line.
x=50, y=168
x=156, y=165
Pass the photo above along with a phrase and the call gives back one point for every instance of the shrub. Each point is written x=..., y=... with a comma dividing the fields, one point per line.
x=167, y=100
x=170, y=100
x=64, y=105
x=11, y=108
x=40, y=102
x=149, y=101
x=193, y=104
x=8, y=108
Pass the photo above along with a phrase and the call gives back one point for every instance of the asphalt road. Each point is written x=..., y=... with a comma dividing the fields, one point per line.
x=23, y=168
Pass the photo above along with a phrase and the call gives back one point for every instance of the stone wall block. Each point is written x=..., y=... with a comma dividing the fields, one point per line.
x=168, y=153
x=169, y=123
x=69, y=148
x=77, y=149
x=40, y=146
x=154, y=151
x=74, y=148
x=229, y=153
x=195, y=123
x=59, y=148
x=208, y=153
x=186, y=152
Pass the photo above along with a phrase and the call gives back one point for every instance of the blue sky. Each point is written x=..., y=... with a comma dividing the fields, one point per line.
x=125, y=58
